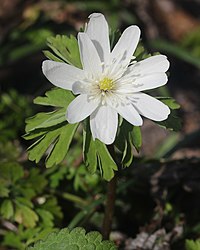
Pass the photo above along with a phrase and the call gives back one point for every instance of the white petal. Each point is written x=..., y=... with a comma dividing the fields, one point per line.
x=150, y=107
x=89, y=56
x=126, y=45
x=103, y=124
x=61, y=74
x=80, y=108
x=133, y=85
x=98, y=32
x=153, y=64
x=150, y=81
x=79, y=88
x=129, y=113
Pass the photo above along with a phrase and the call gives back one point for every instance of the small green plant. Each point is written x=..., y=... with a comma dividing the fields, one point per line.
x=100, y=93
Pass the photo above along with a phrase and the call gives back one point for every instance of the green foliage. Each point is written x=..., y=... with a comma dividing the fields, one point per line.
x=82, y=179
x=19, y=196
x=23, y=43
x=170, y=102
x=192, y=245
x=173, y=122
x=74, y=240
x=25, y=204
x=14, y=108
x=141, y=53
x=128, y=137
x=75, y=173
x=97, y=154
x=50, y=129
x=11, y=172
x=24, y=237
x=65, y=49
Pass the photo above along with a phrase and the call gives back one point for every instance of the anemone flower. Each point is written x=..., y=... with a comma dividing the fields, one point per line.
x=110, y=82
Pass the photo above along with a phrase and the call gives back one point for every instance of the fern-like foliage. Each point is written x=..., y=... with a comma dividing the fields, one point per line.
x=192, y=245
x=76, y=239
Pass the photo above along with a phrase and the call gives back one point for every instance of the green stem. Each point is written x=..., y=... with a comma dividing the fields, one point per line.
x=109, y=208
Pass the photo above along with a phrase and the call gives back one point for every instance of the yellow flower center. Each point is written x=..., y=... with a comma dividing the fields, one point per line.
x=106, y=84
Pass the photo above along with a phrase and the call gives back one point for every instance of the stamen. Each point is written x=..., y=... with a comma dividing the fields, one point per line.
x=106, y=84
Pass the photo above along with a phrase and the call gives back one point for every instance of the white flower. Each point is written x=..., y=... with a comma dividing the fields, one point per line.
x=108, y=84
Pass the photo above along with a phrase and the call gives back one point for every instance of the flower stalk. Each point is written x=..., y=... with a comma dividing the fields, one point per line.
x=109, y=208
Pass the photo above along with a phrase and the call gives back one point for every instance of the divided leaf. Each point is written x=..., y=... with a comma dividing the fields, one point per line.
x=62, y=144
x=129, y=136
x=53, y=133
x=173, y=122
x=77, y=239
x=56, y=97
x=25, y=215
x=106, y=162
x=192, y=245
x=170, y=102
x=64, y=49
x=97, y=154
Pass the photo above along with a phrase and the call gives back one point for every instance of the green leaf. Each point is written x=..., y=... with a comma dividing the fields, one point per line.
x=136, y=137
x=52, y=130
x=46, y=217
x=77, y=239
x=37, y=150
x=25, y=215
x=51, y=205
x=36, y=181
x=127, y=154
x=24, y=201
x=4, y=191
x=192, y=245
x=127, y=137
x=140, y=53
x=170, y=102
x=58, y=139
x=95, y=152
x=51, y=56
x=10, y=172
x=173, y=122
x=56, y=97
x=7, y=209
x=65, y=49
x=45, y=120
x=41, y=234
x=89, y=151
x=13, y=240
x=106, y=162
x=61, y=146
